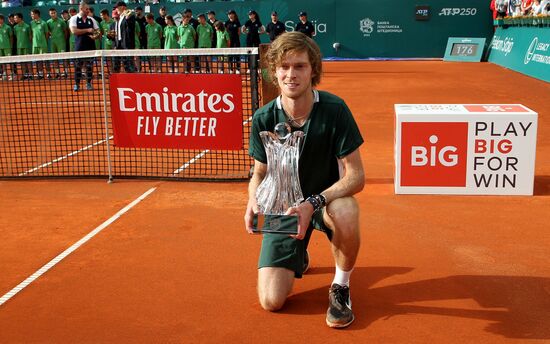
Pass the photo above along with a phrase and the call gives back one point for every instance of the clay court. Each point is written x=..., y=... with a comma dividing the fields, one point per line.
x=178, y=267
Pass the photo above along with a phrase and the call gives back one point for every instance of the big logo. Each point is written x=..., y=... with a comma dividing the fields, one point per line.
x=434, y=154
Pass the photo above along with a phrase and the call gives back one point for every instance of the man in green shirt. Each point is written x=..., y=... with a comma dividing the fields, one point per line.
x=23, y=35
x=105, y=26
x=59, y=32
x=187, y=35
x=153, y=33
x=72, y=13
x=330, y=173
x=204, y=34
x=40, y=35
x=6, y=40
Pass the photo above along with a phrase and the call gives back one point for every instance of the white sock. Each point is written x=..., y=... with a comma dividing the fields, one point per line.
x=341, y=277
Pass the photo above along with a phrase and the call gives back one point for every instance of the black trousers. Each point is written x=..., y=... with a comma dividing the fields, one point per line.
x=78, y=64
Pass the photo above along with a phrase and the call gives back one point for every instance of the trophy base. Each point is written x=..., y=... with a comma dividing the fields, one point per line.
x=271, y=223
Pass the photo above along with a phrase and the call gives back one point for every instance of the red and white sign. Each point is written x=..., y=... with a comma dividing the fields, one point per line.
x=183, y=111
x=465, y=149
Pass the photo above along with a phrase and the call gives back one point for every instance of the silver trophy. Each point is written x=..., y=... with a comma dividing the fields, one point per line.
x=280, y=188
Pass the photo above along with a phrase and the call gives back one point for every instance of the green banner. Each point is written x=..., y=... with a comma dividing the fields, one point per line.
x=523, y=49
x=363, y=28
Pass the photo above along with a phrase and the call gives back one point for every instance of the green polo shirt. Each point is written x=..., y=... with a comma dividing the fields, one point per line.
x=22, y=33
x=57, y=29
x=171, y=37
x=187, y=36
x=222, y=37
x=6, y=34
x=39, y=30
x=330, y=133
x=104, y=27
x=204, y=33
x=137, y=32
x=154, y=34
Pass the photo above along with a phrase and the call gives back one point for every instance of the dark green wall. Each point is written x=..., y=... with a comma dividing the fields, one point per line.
x=339, y=21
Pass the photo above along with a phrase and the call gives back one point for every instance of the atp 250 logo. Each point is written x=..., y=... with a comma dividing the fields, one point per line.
x=434, y=154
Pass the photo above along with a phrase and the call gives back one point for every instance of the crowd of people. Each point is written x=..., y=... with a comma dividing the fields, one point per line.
x=519, y=8
x=122, y=28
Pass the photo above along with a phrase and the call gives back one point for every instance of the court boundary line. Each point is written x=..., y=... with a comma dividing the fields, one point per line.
x=200, y=155
x=73, y=248
x=32, y=170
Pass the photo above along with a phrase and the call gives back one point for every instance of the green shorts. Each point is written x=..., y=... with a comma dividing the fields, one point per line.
x=58, y=46
x=282, y=251
x=5, y=52
x=23, y=51
x=39, y=50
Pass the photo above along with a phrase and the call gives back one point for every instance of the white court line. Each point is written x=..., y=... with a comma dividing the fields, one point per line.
x=200, y=155
x=64, y=157
x=71, y=249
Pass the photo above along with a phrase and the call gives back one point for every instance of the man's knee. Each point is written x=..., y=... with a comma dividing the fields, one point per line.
x=274, y=285
x=271, y=303
x=343, y=213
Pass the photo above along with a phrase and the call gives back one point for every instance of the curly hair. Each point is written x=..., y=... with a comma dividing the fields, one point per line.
x=294, y=42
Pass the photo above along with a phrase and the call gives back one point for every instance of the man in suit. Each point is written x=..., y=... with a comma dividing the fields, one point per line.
x=125, y=35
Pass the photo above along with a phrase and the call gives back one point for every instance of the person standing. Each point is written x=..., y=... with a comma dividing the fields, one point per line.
x=105, y=27
x=171, y=40
x=59, y=32
x=330, y=174
x=141, y=21
x=222, y=41
x=233, y=27
x=153, y=32
x=304, y=26
x=125, y=36
x=253, y=28
x=194, y=23
x=83, y=27
x=211, y=21
x=161, y=20
x=275, y=27
x=187, y=37
x=23, y=36
x=40, y=35
x=204, y=38
x=72, y=13
x=6, y=41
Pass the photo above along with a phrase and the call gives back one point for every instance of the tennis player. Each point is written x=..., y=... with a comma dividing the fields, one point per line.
x=330, y=169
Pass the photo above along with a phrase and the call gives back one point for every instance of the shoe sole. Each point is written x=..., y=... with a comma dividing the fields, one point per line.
x=335, y=325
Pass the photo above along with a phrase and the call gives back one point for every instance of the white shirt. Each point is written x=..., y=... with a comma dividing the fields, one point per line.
x=72, y=21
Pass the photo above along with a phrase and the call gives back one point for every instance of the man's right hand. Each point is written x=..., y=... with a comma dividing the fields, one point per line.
x=251, y=209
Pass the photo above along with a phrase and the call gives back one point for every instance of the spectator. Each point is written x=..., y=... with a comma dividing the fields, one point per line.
x=222, y=41
x=275, y=27
x=514, y=8
x=187, y=36
x=171, y=40
x=153, y=32
x=98, y=20
x=546, y=7
x=537, y=8
x=126, y=35
x=83, y=27
x=253, y=28
x=59, y=32
x=211, y=21
x=526, y=6
x=233, y=27
x=105, y=26
x=161, y=20
x=72, y=13
x=194, y=23
x=141, y=21
x=40, y=35
x=23, y=35
x=6, y=42
x=204, y=38
x=304, y=26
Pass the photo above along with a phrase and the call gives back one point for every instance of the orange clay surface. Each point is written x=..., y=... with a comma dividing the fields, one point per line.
x=179, y=267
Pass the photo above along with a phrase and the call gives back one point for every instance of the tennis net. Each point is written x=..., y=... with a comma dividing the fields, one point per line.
x=49, y=129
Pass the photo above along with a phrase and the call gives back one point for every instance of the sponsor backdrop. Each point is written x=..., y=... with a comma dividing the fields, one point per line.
x=523, y=49
x=364, y=28
x=465, y=149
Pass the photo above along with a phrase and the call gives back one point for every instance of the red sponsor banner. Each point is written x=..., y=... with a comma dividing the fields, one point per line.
x=185, y=111
x=495, y=108
x=434, y=153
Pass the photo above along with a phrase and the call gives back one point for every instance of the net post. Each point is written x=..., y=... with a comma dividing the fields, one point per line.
x=253, y=66
x=109, y=171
